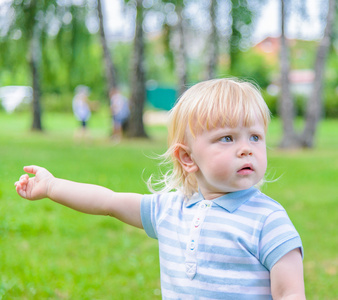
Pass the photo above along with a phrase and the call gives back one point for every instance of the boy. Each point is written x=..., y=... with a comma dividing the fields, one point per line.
x=219, y=236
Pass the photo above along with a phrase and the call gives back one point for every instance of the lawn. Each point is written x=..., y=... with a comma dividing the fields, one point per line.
x=51, y=252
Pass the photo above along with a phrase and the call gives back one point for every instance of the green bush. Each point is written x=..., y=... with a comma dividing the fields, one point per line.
x=330, y=109
x=271, y=102
x=331, y=105
x=58, y=102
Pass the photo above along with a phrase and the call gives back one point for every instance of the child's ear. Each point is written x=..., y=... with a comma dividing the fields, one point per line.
x=183, y=155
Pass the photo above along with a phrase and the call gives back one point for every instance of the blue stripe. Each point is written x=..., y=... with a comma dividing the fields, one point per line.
x=239, y=252
x=176, y=243
x=281, y=250
x=232, y=266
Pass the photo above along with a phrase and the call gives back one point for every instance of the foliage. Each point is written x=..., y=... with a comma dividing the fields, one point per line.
x=302, y=54
x=51, y=252
x=241, y=29
x=330, y=109
x=159, y=64
x=14, y=69
x=331, y=104
x=70, y=54
x=253, y=66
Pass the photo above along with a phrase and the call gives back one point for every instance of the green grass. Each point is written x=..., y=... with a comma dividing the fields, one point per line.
x=51, y=252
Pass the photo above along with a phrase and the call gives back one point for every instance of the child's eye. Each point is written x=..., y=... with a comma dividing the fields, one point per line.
x=254, y=138
x=226, y=139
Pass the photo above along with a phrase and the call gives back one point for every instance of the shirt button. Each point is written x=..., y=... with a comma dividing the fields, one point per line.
x=192, y=245
x=203, y=206
x=197, y=222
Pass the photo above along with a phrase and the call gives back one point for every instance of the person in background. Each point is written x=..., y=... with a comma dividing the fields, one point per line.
x=81, y=108
x=120, y=112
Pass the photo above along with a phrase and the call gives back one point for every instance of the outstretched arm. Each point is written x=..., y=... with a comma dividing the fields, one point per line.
x=287, y=280
x=87, y=198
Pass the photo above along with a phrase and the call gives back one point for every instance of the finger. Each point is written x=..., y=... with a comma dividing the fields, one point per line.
x=18, y=187
x=21, y=192
x=24, y=177
x=31, y=169
x=21, y=185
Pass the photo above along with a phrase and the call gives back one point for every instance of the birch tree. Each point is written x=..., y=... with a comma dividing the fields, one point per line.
x=212, y=53
x=29, y=20
x=180, y=51
x=111, y=78
x=286, y=105
x=137, y=79
x=314, y=107
x=291, y=139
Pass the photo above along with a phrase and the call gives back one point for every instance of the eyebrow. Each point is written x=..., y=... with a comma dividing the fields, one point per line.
x=235, y=130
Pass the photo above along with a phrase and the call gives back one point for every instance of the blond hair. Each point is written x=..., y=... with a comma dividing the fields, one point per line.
x=205, y=106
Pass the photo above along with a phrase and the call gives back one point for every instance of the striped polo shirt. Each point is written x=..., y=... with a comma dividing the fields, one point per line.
x=221, y=248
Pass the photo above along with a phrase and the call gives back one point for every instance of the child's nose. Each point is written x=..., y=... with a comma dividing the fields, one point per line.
x=244, y=150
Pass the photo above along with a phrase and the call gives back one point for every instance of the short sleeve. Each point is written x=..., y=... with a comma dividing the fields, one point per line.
x=147, y=215
x=278, y=237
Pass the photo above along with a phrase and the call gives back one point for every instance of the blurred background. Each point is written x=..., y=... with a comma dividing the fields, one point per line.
x=152, y=50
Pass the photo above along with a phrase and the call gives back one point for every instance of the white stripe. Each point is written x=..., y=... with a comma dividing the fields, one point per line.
x=174, y=221
x=166, y=233
x=173, y=266
x=266, y=200
x=275, y=215
x=222, y=258
x=171, y=250
x=224, y=243
x=174, y=295
x=275, y=233
x=233, y=274
x=255, y=210
x=233, y=217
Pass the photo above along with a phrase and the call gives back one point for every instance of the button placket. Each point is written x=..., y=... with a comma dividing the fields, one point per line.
x=192, y=245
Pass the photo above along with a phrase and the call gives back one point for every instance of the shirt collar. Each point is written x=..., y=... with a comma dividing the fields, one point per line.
x=229, y=202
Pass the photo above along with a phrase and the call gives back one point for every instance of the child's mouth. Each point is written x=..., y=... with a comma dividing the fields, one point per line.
x=246, y=170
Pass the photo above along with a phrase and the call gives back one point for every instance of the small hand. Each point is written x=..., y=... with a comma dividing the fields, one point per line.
x=34, y=188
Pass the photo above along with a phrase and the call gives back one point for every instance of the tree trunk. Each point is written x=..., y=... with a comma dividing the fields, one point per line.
x=233, y=42
x=213, y=44
x=180, y=56
x=107, y=60
x=314, y=107
x=286, y=105
x=138, y=88
x=33, y=62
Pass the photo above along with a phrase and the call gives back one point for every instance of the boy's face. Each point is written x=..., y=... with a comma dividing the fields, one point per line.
x=228, y=159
